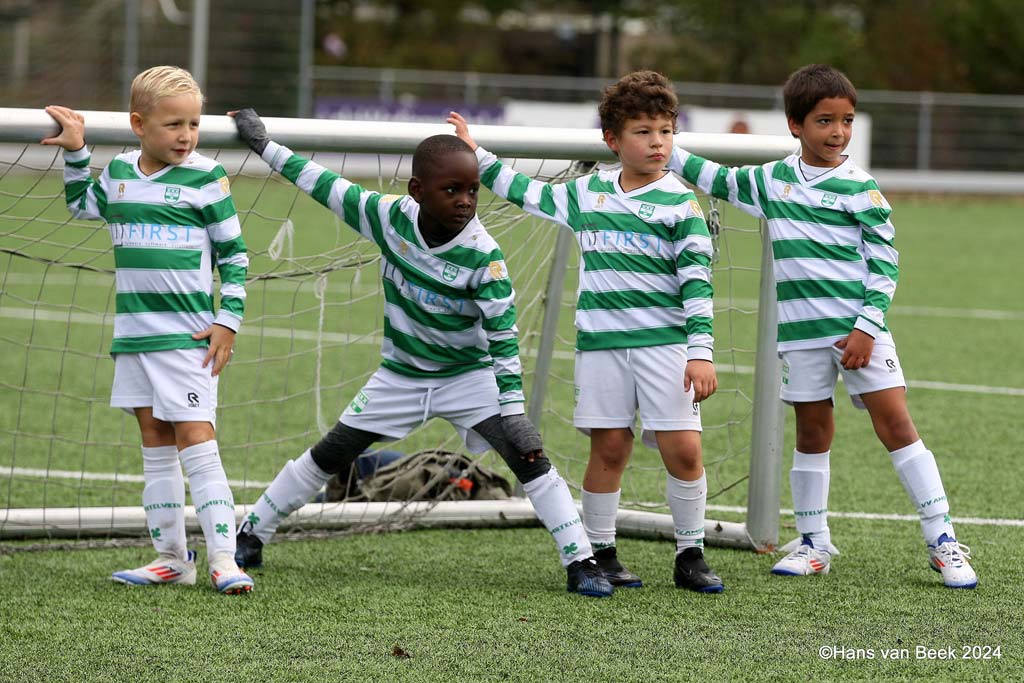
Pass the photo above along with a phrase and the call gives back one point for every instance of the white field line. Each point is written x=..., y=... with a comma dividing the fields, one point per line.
x=338, y=338
x=138, y=479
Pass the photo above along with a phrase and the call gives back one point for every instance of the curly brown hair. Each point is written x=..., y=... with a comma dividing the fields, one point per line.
x=635, y=94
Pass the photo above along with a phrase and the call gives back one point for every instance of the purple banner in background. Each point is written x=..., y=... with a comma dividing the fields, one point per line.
x=350, y=109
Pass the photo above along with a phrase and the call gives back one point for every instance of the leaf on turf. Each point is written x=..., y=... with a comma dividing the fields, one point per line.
x=399, y=652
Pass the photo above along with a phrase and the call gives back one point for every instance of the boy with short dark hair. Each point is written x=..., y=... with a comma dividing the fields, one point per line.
x=643, y=316
x=835, y=276
x=172, y=219
x=450, y=350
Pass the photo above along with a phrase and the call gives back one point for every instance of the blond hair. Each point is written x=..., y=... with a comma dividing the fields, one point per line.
x=159, y=82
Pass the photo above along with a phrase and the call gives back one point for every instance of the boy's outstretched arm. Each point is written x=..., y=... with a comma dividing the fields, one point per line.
x=360, y=209
x=737, y=185
x=533, y=196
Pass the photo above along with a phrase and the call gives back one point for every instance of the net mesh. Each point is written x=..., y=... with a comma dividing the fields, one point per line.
x=310, y=340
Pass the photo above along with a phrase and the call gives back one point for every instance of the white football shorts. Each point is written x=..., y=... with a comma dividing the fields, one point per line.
x=612, y=385
x=811, y=374
x=393, y=405
x=174, y=383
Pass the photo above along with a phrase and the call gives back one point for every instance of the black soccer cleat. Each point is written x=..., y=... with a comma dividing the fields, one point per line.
x=693, y=573
x=248, y=550
x=617, y=575
x=586, y=578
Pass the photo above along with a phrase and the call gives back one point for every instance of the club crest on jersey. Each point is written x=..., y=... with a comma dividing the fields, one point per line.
x=120, y=190
x=600, y=200
x=171, y=194
x=646, y=210
x=497, y=270
x=829, y=199
x=876, y=197
x=403, y=247
x=450, y=272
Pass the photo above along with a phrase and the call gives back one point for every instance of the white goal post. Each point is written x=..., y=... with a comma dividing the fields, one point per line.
x=23, y=128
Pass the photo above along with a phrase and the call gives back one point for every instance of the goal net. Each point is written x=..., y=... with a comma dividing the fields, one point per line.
x=70, y=465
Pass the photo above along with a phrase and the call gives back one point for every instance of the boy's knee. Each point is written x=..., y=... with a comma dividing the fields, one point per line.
x=524, y=470
x=338, y=448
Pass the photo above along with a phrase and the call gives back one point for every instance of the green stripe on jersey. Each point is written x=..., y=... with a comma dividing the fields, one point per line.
x=803, y=248
x=630, y=339
x=446, y=355
x=792, y=211
x=629, y=263
x=815, y=329
x=187, y=177
x=785, y=173
x=789, y=290
x=164, y=302
x=219, y=211
x=121, y=170
x=155, y=214
x=159, y=342
x=611, y=301
x=438, y=321
x=846, y=186
x=410, y=371
x=663, y=198
x=157, y=259
x=595, y=184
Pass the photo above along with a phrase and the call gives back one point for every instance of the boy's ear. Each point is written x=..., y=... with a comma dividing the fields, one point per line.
x=135, y=120
x=611, y=140
x=415, y=188
x=795, y=128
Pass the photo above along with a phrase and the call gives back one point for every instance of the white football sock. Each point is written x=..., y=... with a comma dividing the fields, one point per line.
x=163, y=500
x=211, y=496
x=919, y=475
x=599, y=512
x=809, y=481
x=556, y=510
x=294, y=485
x=687, y=500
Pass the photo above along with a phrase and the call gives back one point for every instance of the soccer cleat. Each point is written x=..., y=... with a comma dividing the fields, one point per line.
x=163, y=570
x=950, y=558
x=805, y=560
x=248, y=549
x=229, y=579
x=617, y=575
x=693, y=573
x=586, y=578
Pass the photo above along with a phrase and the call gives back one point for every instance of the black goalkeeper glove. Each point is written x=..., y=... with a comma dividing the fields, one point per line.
x=251, y=130
x=523, y=436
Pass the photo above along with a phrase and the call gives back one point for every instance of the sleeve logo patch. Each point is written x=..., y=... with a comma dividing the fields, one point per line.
x=225, y=185
x=497, y=270
x=876, y=198
x=695, y=208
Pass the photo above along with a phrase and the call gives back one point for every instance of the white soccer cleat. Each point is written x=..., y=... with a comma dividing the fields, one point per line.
x=805, y=559
x=950, y=558
x=227, y=578
x=163, y=570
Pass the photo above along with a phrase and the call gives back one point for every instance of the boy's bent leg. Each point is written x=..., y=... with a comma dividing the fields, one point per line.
x=550, y=497
x=295, y=484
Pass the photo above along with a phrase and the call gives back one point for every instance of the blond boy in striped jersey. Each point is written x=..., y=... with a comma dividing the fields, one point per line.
x=450, y=349
x=835, y=273
x=643, y=315
x=172, y=220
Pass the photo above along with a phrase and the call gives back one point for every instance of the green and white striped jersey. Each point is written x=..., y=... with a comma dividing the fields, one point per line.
x=448, y=309
x=835, y=264
x=645, y=277
x=169, y=229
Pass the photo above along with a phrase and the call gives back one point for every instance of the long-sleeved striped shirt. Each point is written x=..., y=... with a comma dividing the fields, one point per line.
x=835, y=264
x=448, y=309
x=169, y=230
x=645, y=277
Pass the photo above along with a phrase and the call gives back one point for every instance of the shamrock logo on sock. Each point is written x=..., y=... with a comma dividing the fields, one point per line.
x=253, y=518
x=570, y=549
x=155, y=532
x=222, y=529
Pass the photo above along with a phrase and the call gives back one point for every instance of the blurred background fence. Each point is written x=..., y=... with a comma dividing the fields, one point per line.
x=317, y=58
